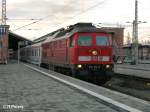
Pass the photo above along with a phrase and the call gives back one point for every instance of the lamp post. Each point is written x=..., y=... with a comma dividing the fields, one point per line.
x=135, y=52
x=135, y=43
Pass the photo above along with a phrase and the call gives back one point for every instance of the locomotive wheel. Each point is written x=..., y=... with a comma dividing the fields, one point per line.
x=74, y=72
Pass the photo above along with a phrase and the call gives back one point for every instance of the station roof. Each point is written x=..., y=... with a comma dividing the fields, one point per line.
x=18, y=37
x=13, y=40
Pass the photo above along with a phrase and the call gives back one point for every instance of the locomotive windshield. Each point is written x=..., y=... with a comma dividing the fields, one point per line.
x=85, y=40
x=102, y=41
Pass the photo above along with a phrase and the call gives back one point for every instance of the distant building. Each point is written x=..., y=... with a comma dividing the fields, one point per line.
x=118, y=35
x=143, y=54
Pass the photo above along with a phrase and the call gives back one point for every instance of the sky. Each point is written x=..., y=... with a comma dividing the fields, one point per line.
x=44, y=16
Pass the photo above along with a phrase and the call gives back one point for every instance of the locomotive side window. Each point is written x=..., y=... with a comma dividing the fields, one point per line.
x=85, y=41
x=102, y=41
x=55, y=44
x=0, y=44
x=60, y=43
x=73, y=42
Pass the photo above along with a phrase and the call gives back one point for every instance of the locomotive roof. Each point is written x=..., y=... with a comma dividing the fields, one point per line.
x=47, y=36
x=36, y=45
x=80, y=27
x=70, y=30
x=50, y=37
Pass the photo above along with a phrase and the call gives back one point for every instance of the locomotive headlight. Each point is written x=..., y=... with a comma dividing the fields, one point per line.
x=79, y=66
x=94, y=52
x=107, y=66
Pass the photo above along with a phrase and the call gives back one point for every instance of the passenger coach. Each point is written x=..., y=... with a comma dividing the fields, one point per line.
x=32, y=54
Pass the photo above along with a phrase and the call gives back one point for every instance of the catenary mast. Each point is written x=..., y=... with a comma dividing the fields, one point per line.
x=3, y=12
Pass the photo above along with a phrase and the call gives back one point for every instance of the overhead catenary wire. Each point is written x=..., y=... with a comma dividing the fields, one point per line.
x=20, y=19
x=28, y=24
x=83, y=11
x=94, y=6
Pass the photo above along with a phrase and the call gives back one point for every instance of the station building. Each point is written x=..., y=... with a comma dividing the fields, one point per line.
x=3, y=43
x=9, y=43
x=13, y=44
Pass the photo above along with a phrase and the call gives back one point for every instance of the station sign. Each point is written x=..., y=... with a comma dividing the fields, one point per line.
x=3, y=31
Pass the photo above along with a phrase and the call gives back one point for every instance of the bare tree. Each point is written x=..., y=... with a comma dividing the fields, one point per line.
x=128, y=39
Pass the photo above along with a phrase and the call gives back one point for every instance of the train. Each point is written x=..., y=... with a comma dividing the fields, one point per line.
x=81, y=49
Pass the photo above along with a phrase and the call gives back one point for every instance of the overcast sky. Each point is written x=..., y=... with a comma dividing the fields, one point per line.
x=59, y=13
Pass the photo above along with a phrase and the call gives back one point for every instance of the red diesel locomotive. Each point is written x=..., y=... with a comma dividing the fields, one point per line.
x=81, y=49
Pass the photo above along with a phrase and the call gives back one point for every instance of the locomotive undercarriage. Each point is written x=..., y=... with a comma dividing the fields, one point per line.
x=93, y=72
x=98, y=73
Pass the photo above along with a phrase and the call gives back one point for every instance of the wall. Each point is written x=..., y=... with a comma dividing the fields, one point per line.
x=4, y=43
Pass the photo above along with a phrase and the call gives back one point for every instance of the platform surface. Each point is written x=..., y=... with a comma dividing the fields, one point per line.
x=21, y=86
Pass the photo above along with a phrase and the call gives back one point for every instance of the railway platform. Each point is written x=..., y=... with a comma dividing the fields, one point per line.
x=29, y=88
x=140, y=70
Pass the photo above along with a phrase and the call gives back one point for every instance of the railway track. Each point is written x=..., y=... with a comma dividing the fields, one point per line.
x=131, y=85
x=134, y=86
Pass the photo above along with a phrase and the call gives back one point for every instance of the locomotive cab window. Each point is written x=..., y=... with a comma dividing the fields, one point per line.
x=102, y=41
x=85, y=40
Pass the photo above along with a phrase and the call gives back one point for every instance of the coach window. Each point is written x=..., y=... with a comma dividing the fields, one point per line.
x=85, y=40
x=31, y=52
x=28, y=52
x=39, y=52
x=36, y=52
